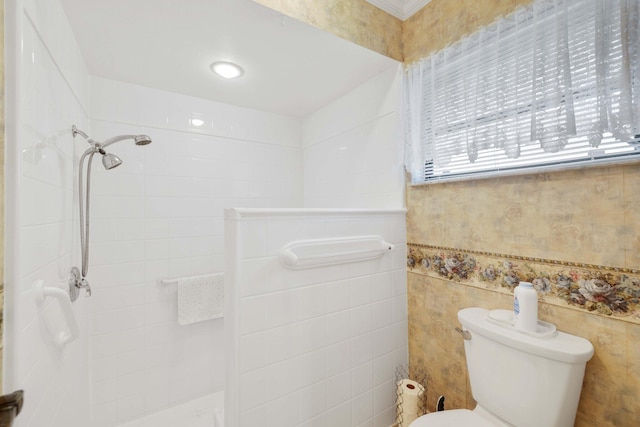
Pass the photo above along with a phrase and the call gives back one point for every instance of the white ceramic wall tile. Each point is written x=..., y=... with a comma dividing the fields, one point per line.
x=338, y=327
x=311, y=302
x=362, y=408
x=127, y=103
x=255, y=314
x=51, y=96
x=51, y=23
x=338, y=358
x=385, y=418
x=254, y=417
x=374, y=98
x=282, y=309
x=312, y=402
x=282, y=412
x=365, y=167
x=356, y=136
x=338, y=389
x=332, y=335
x=340, y=415
x=340, y=292
x=282, y=343
x=168, y=204
x=254, y=390
x=252, y=351
x=313, y=334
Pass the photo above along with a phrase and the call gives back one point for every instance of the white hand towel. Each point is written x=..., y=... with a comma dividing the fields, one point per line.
x=200, y=298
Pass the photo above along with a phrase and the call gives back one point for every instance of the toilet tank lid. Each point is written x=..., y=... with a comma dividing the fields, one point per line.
x=561, y=346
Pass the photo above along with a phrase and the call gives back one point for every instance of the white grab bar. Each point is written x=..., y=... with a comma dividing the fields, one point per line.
x=63, y=338
x=322, y=252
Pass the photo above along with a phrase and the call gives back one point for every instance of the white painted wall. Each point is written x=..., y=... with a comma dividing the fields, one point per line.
x=51, y=85
x=353, y=148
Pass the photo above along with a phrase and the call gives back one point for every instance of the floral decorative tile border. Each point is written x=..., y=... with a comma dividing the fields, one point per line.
x=606, y=291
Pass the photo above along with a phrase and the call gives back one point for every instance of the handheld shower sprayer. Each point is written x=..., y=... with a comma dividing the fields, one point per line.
x=78, y=279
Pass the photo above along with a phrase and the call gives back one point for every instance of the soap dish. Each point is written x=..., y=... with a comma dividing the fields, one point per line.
x=504, y=318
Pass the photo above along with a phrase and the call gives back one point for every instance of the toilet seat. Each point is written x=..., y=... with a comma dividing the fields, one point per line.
x=452, y=418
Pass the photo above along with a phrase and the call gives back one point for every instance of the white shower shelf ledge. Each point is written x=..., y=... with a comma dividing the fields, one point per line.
x=311, y=253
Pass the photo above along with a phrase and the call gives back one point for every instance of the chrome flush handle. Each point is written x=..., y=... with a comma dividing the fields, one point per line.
x=465, y=334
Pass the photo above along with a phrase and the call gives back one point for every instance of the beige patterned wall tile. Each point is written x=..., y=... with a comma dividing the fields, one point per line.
x=476, y=297
x=604, y=396
x=483, y=12
x=610, y=292
x=443, y=22
x=434, y=346
x=585, y=215
x=355, y=20
x=633, y=371
x=631, y=191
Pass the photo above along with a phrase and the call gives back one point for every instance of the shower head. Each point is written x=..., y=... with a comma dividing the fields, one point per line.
x=142, y=139
x=110, y=161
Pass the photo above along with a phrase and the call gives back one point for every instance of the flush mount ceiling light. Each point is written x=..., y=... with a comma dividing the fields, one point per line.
x=228, y=70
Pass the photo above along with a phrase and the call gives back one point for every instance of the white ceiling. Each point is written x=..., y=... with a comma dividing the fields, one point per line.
x=401, y=9
x=290, y=68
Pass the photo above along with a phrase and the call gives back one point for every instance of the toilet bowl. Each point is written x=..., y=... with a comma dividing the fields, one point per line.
x=456, y=418
x=517, y=379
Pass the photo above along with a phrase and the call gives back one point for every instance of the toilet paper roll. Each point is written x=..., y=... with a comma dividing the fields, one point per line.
x=409, y=400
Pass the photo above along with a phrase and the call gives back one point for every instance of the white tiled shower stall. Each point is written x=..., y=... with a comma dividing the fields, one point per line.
x=160, y=215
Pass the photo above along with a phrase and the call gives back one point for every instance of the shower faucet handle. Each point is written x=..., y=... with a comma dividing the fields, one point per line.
x=465, y=334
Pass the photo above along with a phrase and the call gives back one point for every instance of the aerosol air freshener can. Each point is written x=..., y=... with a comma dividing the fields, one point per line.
x=525, y=307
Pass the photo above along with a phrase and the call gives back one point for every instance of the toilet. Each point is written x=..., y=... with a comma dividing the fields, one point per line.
x=517, y=379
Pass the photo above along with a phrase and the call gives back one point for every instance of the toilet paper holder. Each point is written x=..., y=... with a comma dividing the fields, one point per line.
x=411, y=395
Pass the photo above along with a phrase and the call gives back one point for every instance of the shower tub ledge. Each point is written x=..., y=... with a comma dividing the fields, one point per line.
x=207, y=411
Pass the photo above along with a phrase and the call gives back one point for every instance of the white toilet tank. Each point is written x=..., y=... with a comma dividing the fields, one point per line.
x=526, y=381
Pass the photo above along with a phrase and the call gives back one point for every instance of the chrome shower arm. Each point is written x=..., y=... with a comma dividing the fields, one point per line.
x=115, y=139
x=138, y=139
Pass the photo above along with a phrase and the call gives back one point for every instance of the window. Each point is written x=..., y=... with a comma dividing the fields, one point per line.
x=553, y=85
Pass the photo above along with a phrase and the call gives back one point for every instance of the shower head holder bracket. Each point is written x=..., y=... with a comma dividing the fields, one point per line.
x=77, y=283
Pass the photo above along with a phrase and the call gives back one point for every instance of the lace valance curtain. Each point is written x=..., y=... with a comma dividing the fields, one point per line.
x=553, y=82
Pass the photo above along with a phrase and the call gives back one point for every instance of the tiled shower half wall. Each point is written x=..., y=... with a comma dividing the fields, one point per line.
x=316, y=346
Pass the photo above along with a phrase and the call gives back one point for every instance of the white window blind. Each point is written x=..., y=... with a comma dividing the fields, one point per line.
x=555, y=84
